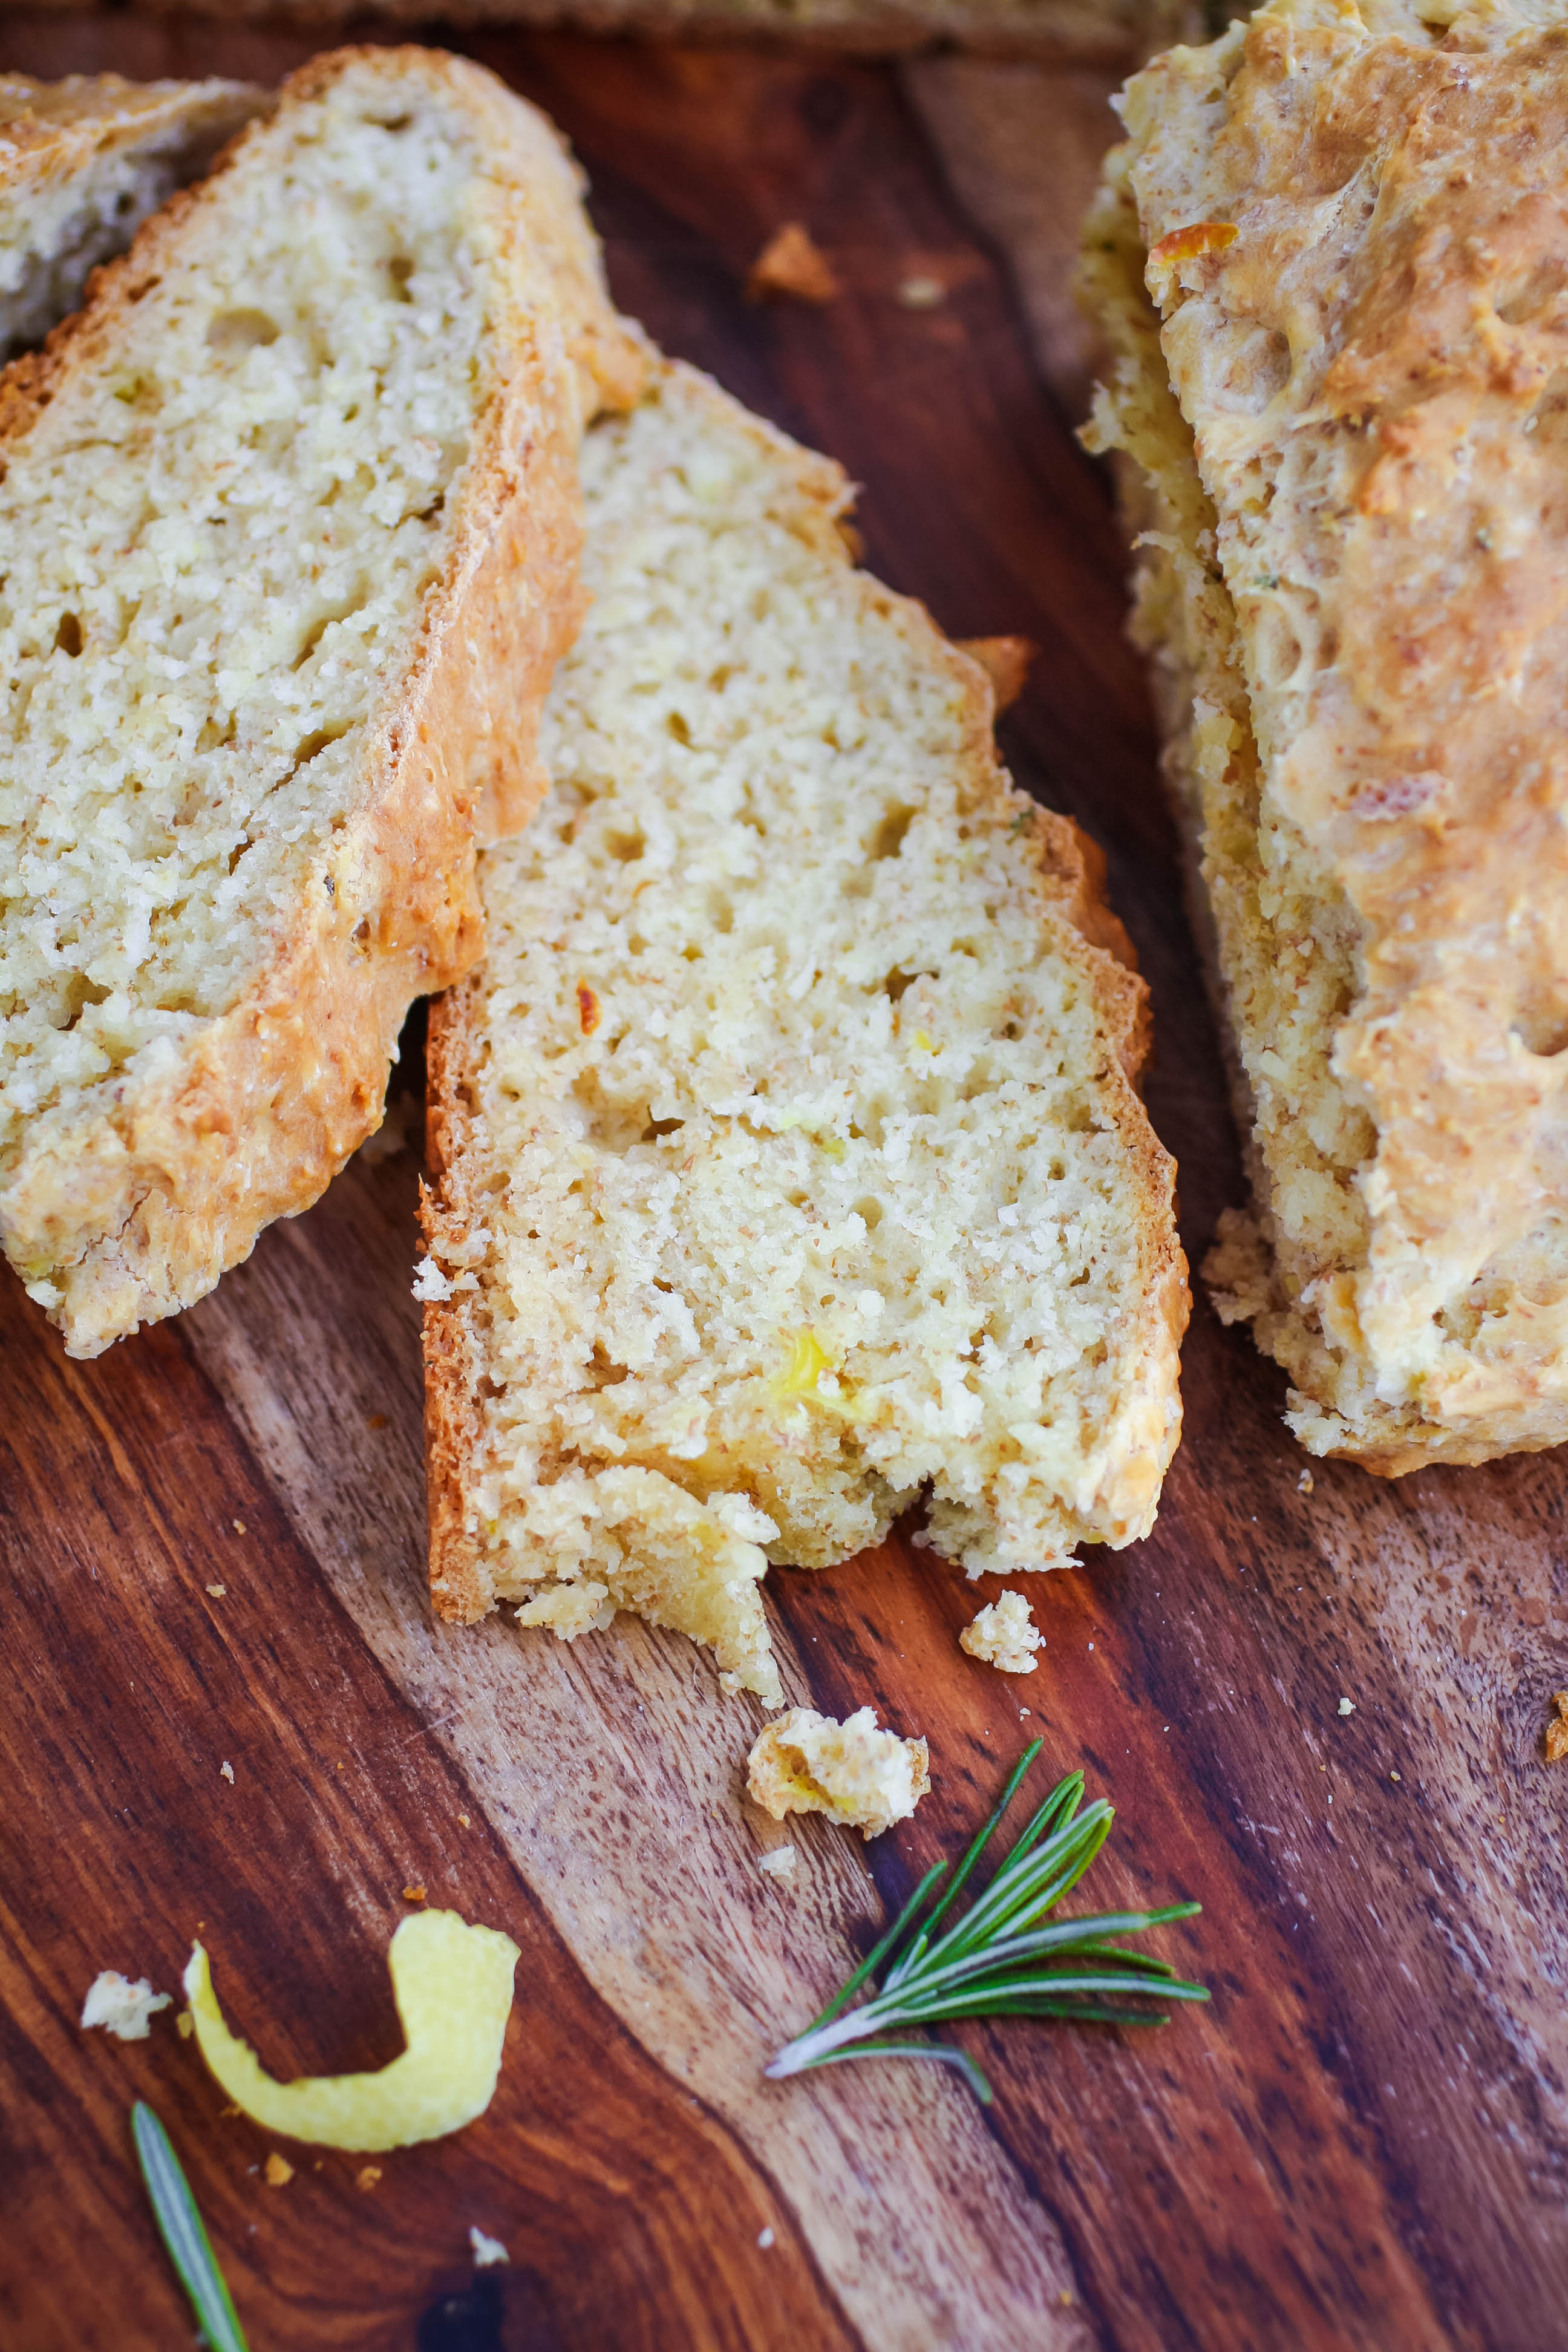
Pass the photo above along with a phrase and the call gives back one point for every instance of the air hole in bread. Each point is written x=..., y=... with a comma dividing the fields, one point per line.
x=241, y=331
x=889, y=838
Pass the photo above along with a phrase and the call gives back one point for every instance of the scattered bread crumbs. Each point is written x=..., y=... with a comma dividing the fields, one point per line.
x=792, y=264
x=186, y=2023
x=278, y=2172
x=463, y=1820
x=807, y=1763
x=121, y=2008
x=413, y=1895
x=921, y=293
x=1557, y=1733
x=217, y=1590
x=1347, y=1707
x=1006, y=662
x=1005, y=1636
x=1394, y=1776
x=487, y=2250
x=225, y=1770
x=1305, y=1483
x=368, y=2176
x=239, y=1527
x=779, y=1864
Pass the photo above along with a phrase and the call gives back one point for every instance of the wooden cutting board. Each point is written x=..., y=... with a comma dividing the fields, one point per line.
x=1362, y=2142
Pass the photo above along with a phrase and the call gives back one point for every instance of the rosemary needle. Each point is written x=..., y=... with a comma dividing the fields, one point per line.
x=1001, y=1958
x=181, y=2228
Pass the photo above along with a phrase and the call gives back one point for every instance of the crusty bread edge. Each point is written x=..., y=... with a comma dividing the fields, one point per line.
x=1071, y=874
x=135, y=1214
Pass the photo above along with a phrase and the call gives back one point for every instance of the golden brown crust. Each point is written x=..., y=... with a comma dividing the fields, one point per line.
x=1084, y=932
x=52, y=129
x=1356, y=225
x=138, y=1210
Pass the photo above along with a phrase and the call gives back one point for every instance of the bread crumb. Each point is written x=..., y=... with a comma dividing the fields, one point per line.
x=368, y=2176
x=121, y=2008
x=779, y=1864
x=1305, y=1483
x=1005, y=1636
x=226, y=1771
x=1557, y=1733
x=792, y=264
x=765, y=2239
x=807, y=1763
x=462, y=1818
x=217, y=1590
x=1347, y=1707
x=280, y=2172
x=413, y=1895
x=1006, y=662
x=186, y=2023
x=487, y=2250
x=1394, y=1776
x=921, y=293
x=430, y=1285
x=239, y=1527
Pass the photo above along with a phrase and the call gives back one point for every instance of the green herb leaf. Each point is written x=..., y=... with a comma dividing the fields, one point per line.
x=1000, y=1959
x=180, y=2227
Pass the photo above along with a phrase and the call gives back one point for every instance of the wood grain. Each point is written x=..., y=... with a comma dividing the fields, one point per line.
x=1363, y=2143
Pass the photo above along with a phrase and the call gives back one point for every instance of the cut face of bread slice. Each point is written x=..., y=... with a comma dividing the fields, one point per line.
x=788, y=1158
x=82, y=164
x=289, y=532
x=1347, y=394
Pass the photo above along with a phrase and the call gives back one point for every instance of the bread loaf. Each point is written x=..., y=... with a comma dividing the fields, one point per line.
x=82, y=164
x=787, y=1156
x=289, y=530
x=1332, y=257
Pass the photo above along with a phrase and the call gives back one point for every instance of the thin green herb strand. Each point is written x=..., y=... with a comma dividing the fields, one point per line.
x=998, y=1959
x=180, y=2228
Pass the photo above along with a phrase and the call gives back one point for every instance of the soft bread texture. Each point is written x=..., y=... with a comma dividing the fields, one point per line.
x=82, y=164
x=288, y=532
x=807, y=1763
x=1345, y=387
x=787, y=1157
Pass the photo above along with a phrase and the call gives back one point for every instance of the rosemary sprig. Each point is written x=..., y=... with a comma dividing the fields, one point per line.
x=180, y=2227
x=1000, y=1959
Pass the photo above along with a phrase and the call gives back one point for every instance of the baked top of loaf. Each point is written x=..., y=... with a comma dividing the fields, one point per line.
x=289, y=529
x=1353, y=223
x=82, y=164
x=788, y=1159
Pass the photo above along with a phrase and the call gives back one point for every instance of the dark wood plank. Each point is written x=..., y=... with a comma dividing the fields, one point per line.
x=1364, y=2143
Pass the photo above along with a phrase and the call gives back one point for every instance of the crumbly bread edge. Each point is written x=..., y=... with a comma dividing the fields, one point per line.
x=137, y=1213
x=1071, y=871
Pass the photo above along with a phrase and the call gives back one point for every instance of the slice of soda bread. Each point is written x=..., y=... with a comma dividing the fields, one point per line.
x=787, y=1156
x=82, y=164
x=288, y=536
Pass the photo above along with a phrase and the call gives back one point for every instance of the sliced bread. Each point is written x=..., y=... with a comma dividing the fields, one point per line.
x=82, y=164
x=1331, y=257
x=288, y=536
x=787, y=1156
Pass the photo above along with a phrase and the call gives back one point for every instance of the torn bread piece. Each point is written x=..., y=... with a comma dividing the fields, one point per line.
x=83, y=163
x=121, y=2008
x=1330, y=256
x=1003, y=1636
x=867, y=1779
x=787, y=1156
x=289, y=530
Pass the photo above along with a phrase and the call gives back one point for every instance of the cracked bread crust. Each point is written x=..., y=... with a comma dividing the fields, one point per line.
x=1351, y=221
x=811, y=1486
x=131, y=1206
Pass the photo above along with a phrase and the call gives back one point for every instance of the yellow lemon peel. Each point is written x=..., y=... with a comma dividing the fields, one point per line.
x=452, y=1984
x=800, y=1382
